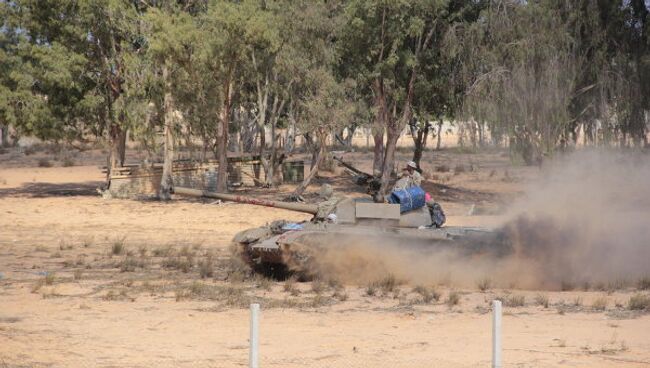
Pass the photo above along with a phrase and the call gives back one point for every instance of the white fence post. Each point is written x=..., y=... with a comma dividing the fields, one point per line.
x=496, y=334
x=255, y=337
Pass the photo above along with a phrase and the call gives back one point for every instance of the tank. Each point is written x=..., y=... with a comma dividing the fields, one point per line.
x=283, y=247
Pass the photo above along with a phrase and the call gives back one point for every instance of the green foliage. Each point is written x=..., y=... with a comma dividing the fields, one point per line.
x=532, y=73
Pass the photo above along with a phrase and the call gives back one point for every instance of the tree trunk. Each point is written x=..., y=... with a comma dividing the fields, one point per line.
x=439, y=135
x=389, y=161
x=270, y=173
x=166, y=182
x=4, y=131
x=313, y=171
x=114, y=133
x=378, y=151
x=121, y=146
x=222, y=138
x=420, y=142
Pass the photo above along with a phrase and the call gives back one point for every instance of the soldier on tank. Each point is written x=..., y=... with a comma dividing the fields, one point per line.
x=409, y=177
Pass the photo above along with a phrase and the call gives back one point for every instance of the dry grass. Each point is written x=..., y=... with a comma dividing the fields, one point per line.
x=428, y=294
x=162, y=252
x=113, y=295
x=514, y=300
x=68, y=162
x=318, y=286
x=78, y=274
x=43, y=162
x=183, y=264
x=388, y=284
x=117, y=248
x=577, y=302
x=87, y=242
x=340, y=294
x=639, y=302
x=542, y=299
x=599, y=304
x=644, y=283
x=206, y=267
x=290, y=286
x=441, y=168
x=484, y=284
x=236, y=269
x=371, y=290
x=50, y=278
x=130, y=264
x=453, y=299
x=263, y=283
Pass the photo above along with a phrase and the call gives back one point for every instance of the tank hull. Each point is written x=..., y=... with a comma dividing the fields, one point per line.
x=274, y=250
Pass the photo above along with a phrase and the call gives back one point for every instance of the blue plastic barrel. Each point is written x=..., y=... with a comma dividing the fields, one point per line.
x=408, y=199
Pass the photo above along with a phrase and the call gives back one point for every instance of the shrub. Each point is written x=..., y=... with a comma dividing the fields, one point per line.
x=484, y=284
x=542, y=300
x=453, y=298
x=206, y=267
x=371, y=290
x=118, y=247
x=639, y=302
x=317, y=286
x=428, y=294
x=514, y=301
x=387, y=284
x=68, y=162
x=129, y=264
x=290, y=286
x=43, y=162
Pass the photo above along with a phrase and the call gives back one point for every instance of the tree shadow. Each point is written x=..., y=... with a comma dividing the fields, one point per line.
x=44, y=190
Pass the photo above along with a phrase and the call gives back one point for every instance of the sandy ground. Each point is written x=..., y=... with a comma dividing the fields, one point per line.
x=95, y=310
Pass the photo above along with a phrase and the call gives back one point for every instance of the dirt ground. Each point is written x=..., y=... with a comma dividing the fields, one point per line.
x=89, y=282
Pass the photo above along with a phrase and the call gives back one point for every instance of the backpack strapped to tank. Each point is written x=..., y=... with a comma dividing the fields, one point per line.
x=408, y=199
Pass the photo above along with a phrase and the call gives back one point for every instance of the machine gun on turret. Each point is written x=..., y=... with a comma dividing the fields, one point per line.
x=371, y=182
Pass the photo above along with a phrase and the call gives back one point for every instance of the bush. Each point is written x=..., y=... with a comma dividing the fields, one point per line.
x=43, y=162
x=118, y=247
x=484, y=284
x=639, y=302
x=428, y=294
x=68, y=162
x=206, y=268
x=514, y=301
x=542, y=300
x=453, y=298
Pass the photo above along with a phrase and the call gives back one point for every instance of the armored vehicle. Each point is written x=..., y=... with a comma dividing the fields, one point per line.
x=284, y=246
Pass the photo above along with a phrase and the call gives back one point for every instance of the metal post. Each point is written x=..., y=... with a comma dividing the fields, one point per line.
x=255, y=337
x=496, y=334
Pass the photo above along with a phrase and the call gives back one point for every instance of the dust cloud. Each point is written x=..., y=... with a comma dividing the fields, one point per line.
x=586, y=221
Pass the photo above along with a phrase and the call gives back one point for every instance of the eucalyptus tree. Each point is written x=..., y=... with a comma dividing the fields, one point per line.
x=172, y=38
x=324, y=109
x=439, y=91
x=72, y=58
x=384, y=43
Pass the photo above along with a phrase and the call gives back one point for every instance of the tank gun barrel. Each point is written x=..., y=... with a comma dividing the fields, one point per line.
x=299, y=207
x=352, y=168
